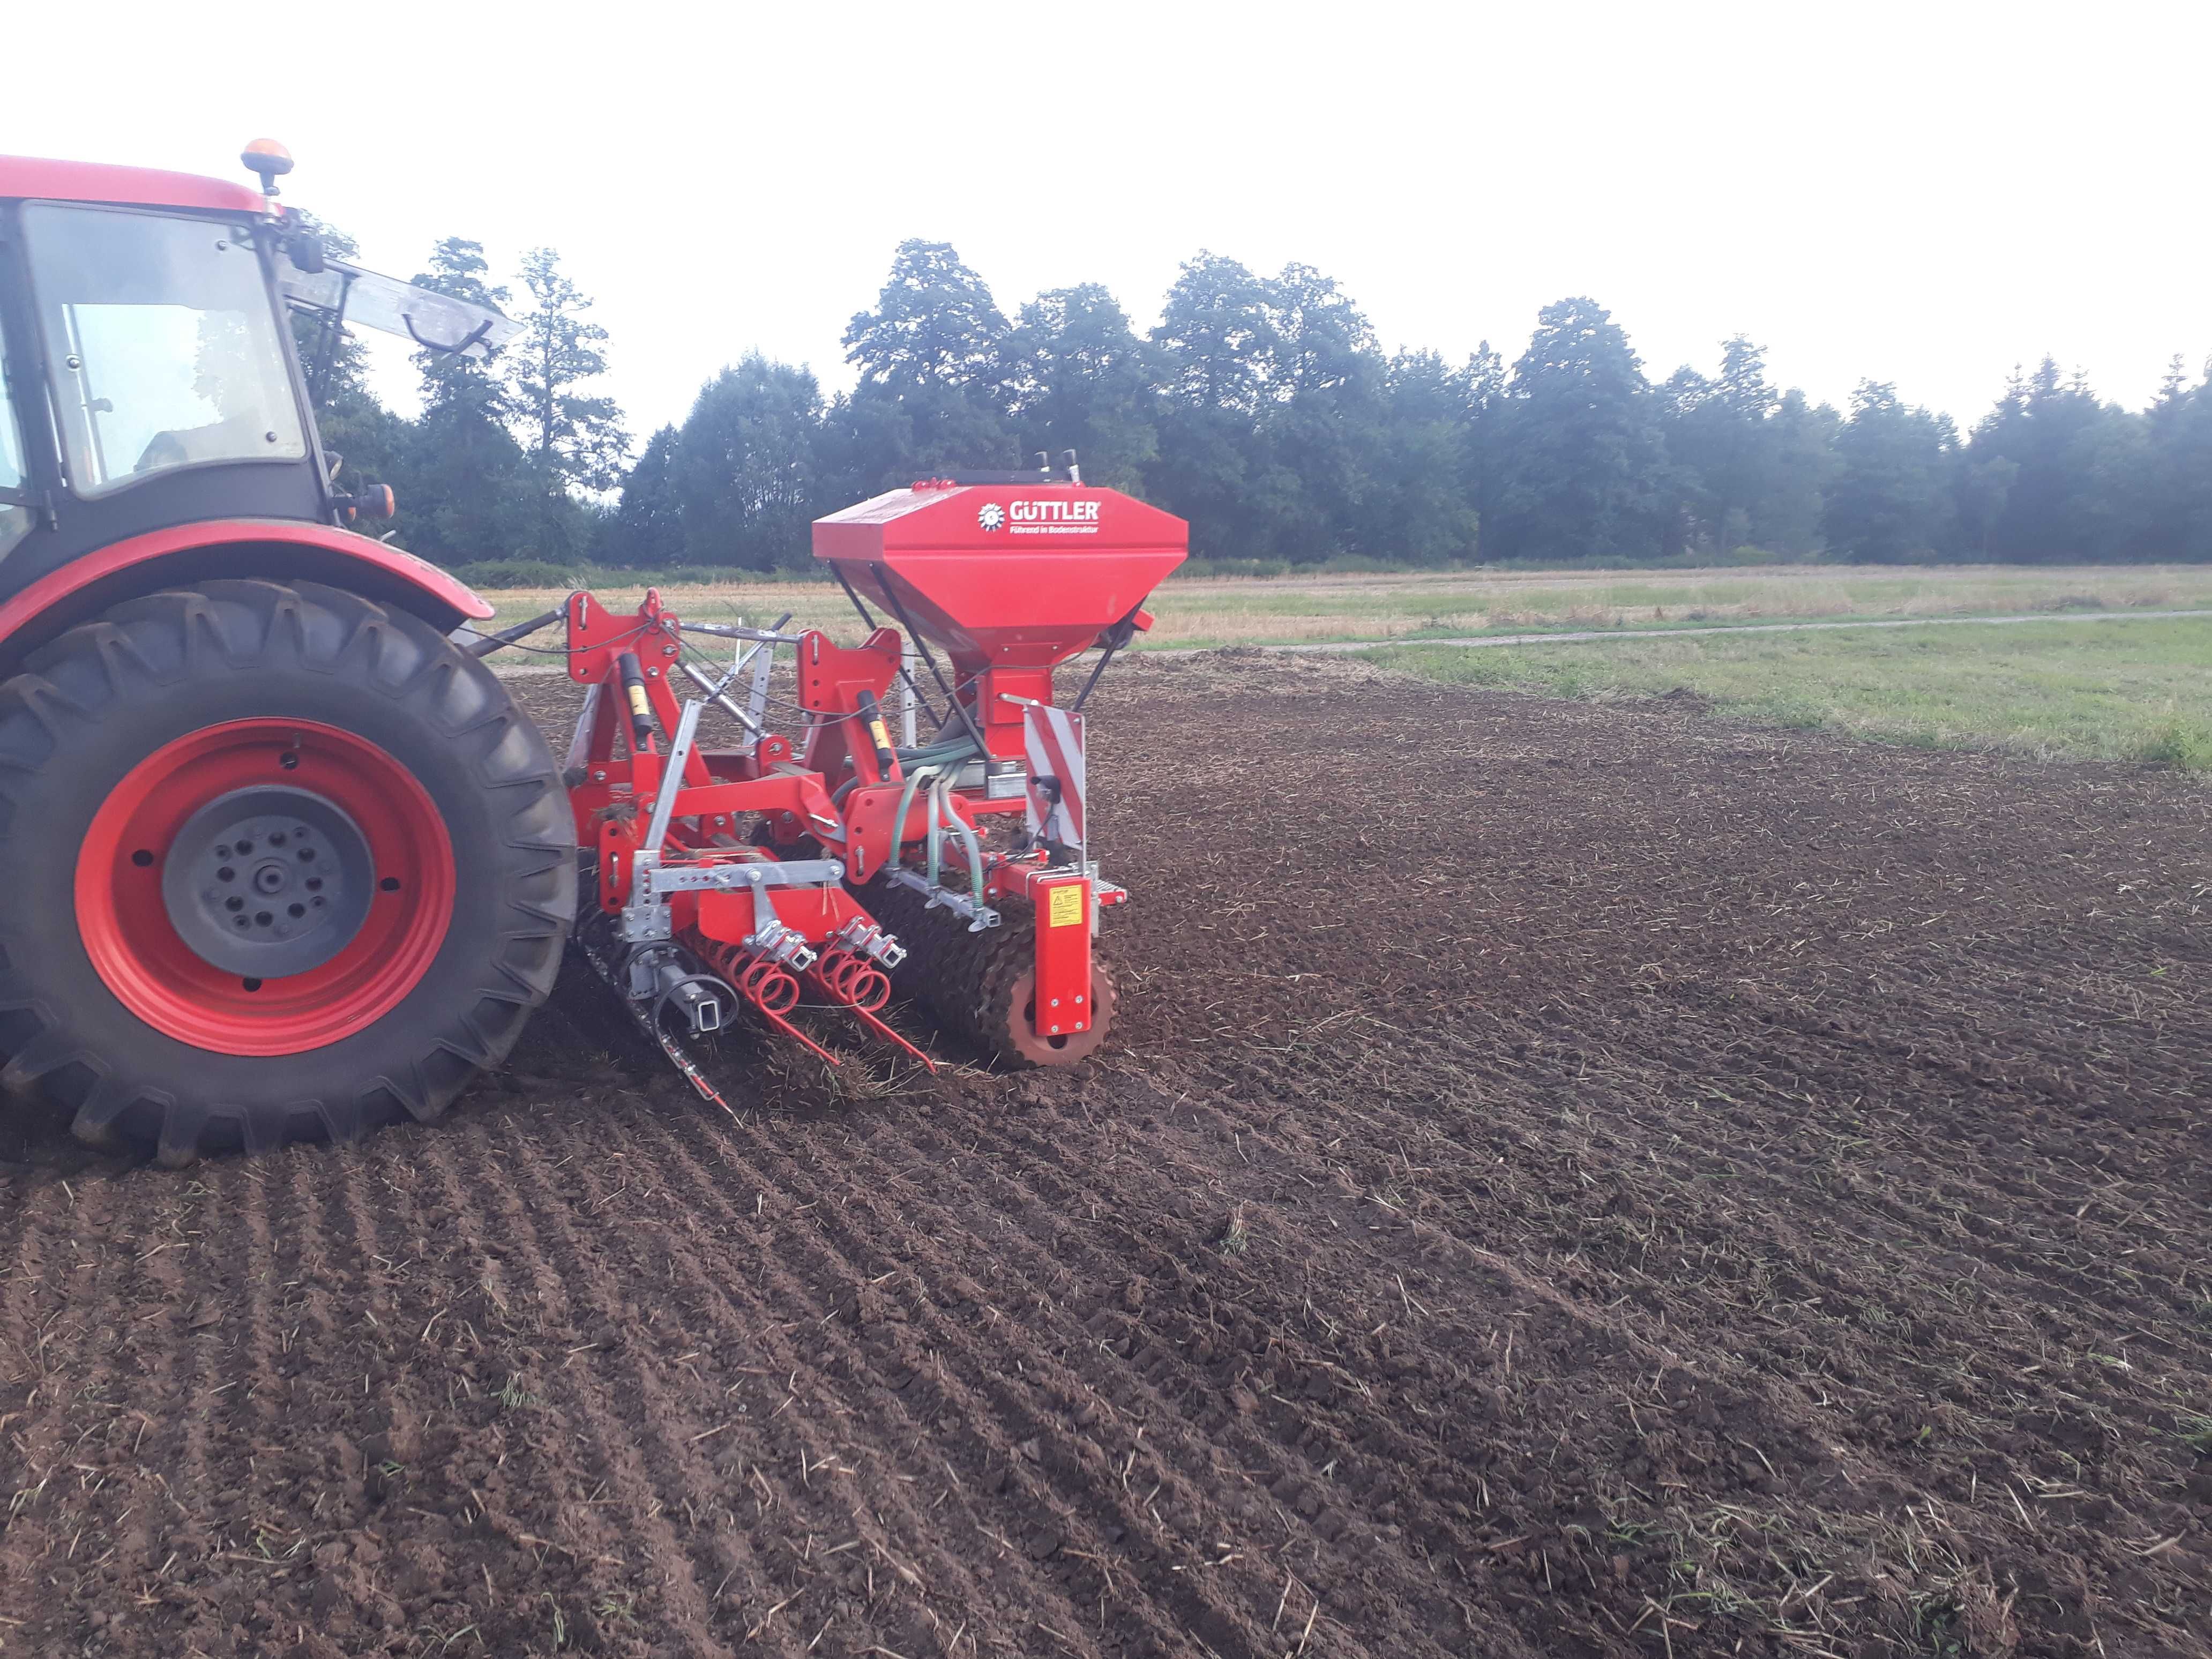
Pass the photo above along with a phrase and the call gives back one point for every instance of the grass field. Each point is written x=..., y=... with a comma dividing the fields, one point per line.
x=2083, y=690
x=1292, y=609
x=2138, y=690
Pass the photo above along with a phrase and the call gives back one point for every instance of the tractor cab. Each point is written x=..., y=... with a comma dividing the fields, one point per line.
x=154, y=375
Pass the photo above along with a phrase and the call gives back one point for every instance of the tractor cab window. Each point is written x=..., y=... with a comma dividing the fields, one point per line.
x=15, y=519
x=162, y=342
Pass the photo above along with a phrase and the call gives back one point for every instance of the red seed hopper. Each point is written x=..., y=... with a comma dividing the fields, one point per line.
x=1014, y=575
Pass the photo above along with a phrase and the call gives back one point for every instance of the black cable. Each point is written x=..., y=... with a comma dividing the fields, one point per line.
x=491, y=642
x=922, y=650
x=1117, y=636
x=869, y=623
x=569, y=651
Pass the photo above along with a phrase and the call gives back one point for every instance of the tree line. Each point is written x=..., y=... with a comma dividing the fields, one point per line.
x=1262, y=408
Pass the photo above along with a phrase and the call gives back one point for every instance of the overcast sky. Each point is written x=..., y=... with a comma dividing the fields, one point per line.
x=1922, y=193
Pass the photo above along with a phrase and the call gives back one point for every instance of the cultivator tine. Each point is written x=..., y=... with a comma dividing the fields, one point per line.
x=853, y=982
x=647, y=1022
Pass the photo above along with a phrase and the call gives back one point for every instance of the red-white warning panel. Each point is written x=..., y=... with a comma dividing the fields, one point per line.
x=1053, y=744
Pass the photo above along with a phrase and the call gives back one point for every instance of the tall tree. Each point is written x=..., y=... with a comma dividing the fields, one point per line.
x=1483, y=459
x=457, y=267
x=1786, y=517
x=2068, y=497
x=1891, y=500
x=1683, y=408
x=471, y=499
x=647, y=530
x=1217, y=343
x=1735, y=437
x=1585, y=470
x=745, y=464
x=575, y=435
x=1081, y=380
x=932, y=396
x=1325, y=428
x=1750, y=463
x=1217, y=337
x=1422, y=504
x=2177, y=468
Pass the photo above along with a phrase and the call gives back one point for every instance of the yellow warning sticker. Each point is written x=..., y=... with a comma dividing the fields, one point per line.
x=1065, y=906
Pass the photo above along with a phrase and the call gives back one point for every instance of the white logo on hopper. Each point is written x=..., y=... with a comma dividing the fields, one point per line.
x=992, y=515
x=1061, y=517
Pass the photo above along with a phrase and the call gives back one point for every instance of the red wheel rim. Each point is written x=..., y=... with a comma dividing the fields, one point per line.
x=141, y=957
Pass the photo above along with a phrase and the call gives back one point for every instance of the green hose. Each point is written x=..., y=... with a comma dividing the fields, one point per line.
x=941, y=793
x=913, y=781
x=939, y=807
x=933, y=754
x=929, y=757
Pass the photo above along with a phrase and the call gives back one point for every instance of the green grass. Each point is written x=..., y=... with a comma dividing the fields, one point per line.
x=2136, y=690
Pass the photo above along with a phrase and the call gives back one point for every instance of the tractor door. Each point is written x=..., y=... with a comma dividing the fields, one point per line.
x=18, y=501
x=149, y=351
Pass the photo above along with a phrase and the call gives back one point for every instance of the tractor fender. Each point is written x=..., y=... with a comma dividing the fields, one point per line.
x=283, y=549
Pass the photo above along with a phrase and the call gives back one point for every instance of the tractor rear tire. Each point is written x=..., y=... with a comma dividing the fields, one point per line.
x=276, y=864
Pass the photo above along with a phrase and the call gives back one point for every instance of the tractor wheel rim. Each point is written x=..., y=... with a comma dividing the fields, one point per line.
x=176, y=956
x=265, y=882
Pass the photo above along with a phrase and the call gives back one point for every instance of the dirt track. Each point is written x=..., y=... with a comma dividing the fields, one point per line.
x=1571, y=1180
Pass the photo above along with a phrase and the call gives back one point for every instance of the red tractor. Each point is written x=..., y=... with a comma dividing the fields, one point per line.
x=284, y=860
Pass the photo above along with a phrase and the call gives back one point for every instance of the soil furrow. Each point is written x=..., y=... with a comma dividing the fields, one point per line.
x=841, y=1376
x=581, y=1530
x=1033, y=1416
x=652, y=1470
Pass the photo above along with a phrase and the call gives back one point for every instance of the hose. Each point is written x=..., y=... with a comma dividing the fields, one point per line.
x=946, y=749
x=913, y=781
x=938, y=817
x=929, y=757
x=941, y=795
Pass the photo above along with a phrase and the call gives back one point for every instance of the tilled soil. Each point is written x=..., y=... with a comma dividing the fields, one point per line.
x=1567, y=1180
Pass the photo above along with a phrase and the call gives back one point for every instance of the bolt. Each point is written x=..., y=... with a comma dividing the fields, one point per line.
x=598, y=775
x=1078, y=1002
x=1052, y=1031
x=1055, y=1002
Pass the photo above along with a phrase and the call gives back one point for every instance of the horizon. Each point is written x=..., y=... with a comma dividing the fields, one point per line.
x=711, y=209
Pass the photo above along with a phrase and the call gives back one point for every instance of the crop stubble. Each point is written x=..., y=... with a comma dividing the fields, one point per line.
x=1568, y=1180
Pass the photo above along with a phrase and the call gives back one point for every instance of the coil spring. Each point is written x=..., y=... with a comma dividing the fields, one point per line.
x=853, y=979
x=764, y=984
